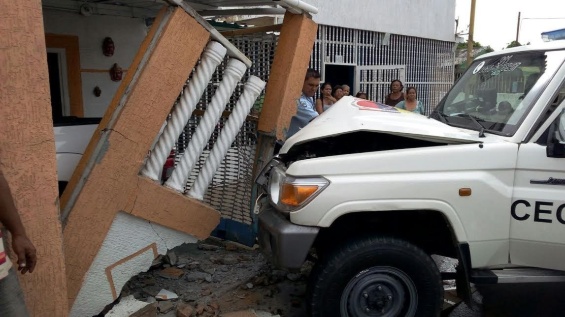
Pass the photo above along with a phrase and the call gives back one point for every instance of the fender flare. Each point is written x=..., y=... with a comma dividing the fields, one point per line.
x=398, y=204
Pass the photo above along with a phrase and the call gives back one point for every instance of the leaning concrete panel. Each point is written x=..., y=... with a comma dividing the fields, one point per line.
x=27, y=151
x=110, y=185
x=286, y=79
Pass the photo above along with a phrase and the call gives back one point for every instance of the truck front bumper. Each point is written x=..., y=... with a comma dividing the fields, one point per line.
x=283, y=242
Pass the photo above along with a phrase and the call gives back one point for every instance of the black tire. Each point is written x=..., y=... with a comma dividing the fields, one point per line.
x=387, y=276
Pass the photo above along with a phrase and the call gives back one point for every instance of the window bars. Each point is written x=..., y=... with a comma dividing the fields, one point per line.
x=428, y=63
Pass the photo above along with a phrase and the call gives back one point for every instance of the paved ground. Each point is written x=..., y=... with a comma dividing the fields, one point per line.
x=219, y=279
x=543, y=300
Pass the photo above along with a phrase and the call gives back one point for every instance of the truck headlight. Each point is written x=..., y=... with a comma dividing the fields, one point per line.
x=289, y=193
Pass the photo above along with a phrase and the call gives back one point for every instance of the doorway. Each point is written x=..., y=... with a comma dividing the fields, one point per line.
x=63, y=60
x=57, y=66
x=340, y=74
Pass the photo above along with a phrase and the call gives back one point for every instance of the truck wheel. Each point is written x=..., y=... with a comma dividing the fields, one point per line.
x=375, y=276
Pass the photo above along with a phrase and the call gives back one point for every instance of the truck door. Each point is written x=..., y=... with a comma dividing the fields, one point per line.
x=537, y=224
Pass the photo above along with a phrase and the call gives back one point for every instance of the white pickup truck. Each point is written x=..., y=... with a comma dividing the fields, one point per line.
x=72, y=135
x=371, y=192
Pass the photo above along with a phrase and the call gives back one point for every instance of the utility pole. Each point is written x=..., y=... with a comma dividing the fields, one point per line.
x=470, y=41
x=518, y=27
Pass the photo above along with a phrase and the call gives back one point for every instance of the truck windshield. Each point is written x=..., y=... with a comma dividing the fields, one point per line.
x=495, y=94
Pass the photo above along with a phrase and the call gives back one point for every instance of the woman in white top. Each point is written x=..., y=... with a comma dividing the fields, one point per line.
x=326, y=100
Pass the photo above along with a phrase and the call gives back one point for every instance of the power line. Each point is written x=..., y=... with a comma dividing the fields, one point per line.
x=543, y=18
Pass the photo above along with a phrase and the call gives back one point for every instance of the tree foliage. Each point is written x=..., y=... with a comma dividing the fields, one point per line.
x=464, y=45
x=513, y=44
x=460, y=48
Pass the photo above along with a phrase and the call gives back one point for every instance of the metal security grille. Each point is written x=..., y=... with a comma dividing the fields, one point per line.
x=428, y=63
x=230, y=189
x=375, y=80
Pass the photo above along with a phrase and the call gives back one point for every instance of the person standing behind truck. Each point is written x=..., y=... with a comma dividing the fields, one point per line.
x=362, y=95
x=12, y=303
x=411, y=103
x=337, y=92
x=396, y=95
x=306, y=109
x=326, y=100
x=346, y=90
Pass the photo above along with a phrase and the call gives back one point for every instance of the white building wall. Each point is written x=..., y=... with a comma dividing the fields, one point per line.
x=127, y=34
x=431, y=19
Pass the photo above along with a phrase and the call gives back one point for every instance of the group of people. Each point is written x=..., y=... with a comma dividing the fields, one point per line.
x=330, y=95
x=308, y=109
x=409, y=101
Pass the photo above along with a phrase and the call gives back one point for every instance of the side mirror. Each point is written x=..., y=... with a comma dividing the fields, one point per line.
x=556, y=138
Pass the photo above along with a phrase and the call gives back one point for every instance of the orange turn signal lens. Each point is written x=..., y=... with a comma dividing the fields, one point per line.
x=294, y=194
x=464, y=192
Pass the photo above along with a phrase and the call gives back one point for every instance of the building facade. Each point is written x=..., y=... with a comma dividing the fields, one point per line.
x=368, y=43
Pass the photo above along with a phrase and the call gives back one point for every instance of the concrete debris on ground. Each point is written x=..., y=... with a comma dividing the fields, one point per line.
x=164, y=295
x=165, y=306
x=171, y=273
x=216, y=278
x=129, y=306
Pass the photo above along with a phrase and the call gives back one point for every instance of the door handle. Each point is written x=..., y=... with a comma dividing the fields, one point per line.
x=549, y=181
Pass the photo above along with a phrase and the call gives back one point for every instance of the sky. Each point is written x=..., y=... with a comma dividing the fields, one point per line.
x=496, y=20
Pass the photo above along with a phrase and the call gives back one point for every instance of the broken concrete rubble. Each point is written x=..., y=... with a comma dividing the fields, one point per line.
x=184, y=310
x=165, y=307
x=215, y=278
x=250, y=287
x=128, y=306
x=165, y=295
x=171, y=258
x=171, y=273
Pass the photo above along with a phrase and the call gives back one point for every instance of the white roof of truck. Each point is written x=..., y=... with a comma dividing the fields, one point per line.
x=548, y=46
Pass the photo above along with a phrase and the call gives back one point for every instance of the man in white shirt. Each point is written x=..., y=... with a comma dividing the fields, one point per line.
x=12, y=303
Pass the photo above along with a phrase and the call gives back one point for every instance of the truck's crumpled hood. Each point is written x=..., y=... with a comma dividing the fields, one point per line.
x=352, y=114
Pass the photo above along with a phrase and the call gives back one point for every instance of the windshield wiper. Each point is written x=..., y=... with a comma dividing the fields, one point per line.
x=442, y=116
x=476, y=121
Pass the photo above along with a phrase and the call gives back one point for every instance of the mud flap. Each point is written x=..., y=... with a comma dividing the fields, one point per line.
x=463, y=273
